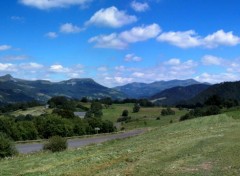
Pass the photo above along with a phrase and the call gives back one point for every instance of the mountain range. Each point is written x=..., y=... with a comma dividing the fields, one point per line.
x=143, y=90
x=18, y=90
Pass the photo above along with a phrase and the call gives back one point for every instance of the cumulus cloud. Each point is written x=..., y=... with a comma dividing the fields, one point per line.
x=190, y=39
x=142, y=33
x=132, y=58
x=5, y=47
x=139, y=7
x=138, y=74
x=221, y=38
x=108, y=41
x=51, y=35
x=49, y=4
x=70, y=28
x=217, y=78
x=173, y=61
x=58, y=69
x=211, y=60
x=7, y=67
x=102, y=69
x=122, y=80
x=111, y=17
x=186, y=39
x=121, y=41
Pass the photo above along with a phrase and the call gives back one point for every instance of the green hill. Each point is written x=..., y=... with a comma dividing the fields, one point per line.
x=225, y=90
x=178, y=94
x=202, y=146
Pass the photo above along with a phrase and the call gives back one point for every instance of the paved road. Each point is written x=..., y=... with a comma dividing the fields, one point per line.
x=75, y=143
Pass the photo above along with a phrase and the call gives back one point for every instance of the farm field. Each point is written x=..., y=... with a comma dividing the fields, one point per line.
x=203, y=146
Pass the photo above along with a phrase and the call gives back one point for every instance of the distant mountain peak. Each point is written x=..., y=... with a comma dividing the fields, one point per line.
x=6, y=77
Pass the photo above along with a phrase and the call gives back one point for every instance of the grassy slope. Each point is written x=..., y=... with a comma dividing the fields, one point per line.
x=203, y=146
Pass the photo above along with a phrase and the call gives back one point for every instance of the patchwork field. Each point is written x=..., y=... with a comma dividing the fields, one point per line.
x=203, y=146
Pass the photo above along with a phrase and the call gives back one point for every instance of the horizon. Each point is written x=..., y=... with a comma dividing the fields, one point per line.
x=116, y=43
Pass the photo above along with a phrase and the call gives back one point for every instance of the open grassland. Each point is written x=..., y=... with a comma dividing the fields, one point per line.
x=35, y=111
x=203, y=146
x=146, y=117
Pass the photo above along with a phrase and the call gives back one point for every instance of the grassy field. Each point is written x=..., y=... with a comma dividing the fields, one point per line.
x=203, y=146
x=146, y=117
x=35, y=111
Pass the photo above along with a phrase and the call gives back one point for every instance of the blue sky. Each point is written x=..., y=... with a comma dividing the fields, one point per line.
x=117, y=42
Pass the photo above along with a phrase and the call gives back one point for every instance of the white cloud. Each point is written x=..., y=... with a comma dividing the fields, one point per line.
x=142, y=33
x=221, y=38
x=48, y=4
x=190, y=39
x=111, y=17
x=69, y=28
x=5, y=47
x=216, y=78
x=51, y=35
x=186, y=39
x=31, y=65
x=138, y=74
x=132, y=58
x=211, y=60
x=108, y=41
x=173, y=61
x=122, y=80
x=121, y=41
x=139, y=7
x=7, y=67
x=58, y=69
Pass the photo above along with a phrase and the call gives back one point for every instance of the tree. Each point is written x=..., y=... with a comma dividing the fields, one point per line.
x=136, y=107
x=6, y=146
x=96, y=109
x=125, y=113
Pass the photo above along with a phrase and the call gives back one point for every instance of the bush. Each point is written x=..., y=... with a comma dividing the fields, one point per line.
x=7, y=148
x=125, y=113
x=167, y=111
x=136, y=108
x=124, y=119
x=56, y=144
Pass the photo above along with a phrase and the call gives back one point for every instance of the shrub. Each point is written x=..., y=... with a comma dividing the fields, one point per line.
x=125, y=113
x=136, y=108
x=158, y=118
x=167, y=111
x=56, y=144
x=124, y=119
x=7, y=148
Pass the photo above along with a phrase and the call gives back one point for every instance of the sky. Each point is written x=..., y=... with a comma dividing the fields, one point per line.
x=116, y=42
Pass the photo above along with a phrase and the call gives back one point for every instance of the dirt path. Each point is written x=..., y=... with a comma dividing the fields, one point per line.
x=80, y=142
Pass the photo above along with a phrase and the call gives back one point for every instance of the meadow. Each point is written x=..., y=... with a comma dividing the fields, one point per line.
x=203, y=146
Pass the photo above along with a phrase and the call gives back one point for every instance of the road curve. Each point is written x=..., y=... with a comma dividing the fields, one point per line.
x=79, y=142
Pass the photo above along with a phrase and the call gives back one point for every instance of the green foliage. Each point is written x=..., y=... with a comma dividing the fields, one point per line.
x=136, y=108
x=168, y=111
x=96, y=109
x=124, y=119
x=56, y=144
x=64, y=113
x=200, y=112
x=61, y=102
x=125, y=113
x=7, y=148
x=27, y=130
